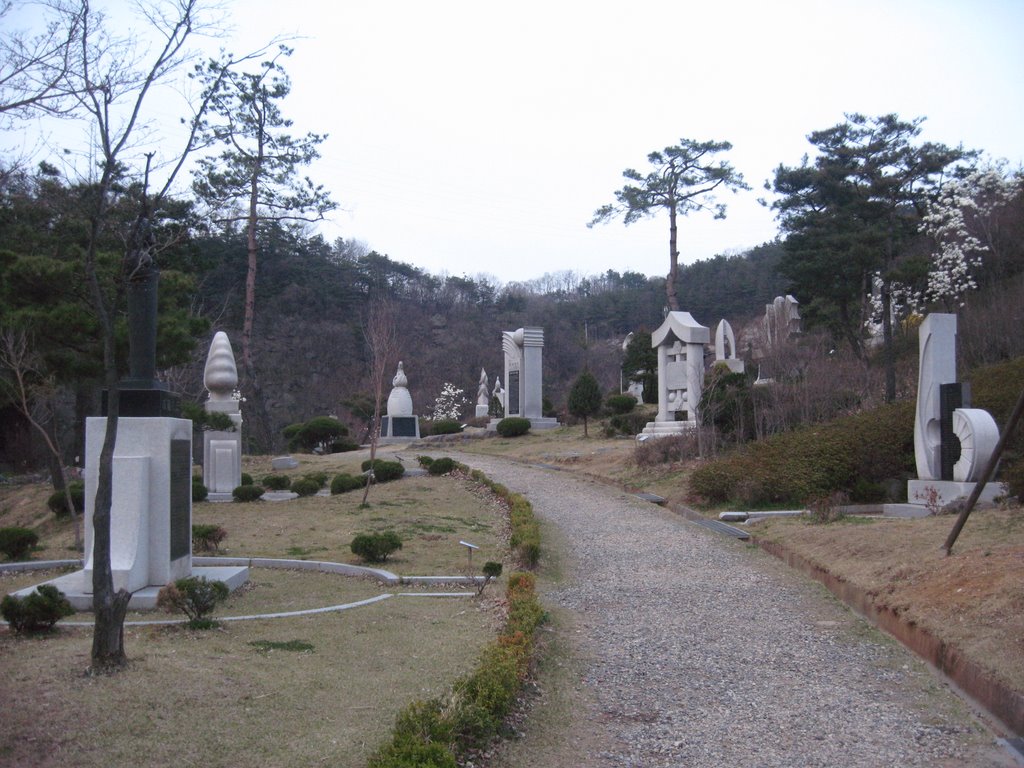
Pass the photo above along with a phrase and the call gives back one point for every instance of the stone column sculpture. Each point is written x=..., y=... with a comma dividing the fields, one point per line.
x=680, y=343
x=399, y=424
x=483, y=399
x=523, y=350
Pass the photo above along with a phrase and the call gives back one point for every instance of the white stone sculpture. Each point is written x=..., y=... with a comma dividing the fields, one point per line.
x=781, y=319
x=222, y=449
x=399, y=424
x=725, y=347
x=974, y=429
x=680, y=343
x=483, y=399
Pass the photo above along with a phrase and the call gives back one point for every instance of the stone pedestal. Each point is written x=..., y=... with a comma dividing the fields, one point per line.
x=151, y=511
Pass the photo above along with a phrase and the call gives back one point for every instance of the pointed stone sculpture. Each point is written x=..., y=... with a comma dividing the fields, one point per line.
x=483, y=399
x=399, y=424
x=222, y=449
x=725, y=347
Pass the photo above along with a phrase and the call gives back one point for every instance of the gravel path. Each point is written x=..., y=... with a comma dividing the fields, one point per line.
x=701, y=651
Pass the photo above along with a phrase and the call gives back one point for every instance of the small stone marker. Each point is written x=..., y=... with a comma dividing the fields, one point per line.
x=284, y=462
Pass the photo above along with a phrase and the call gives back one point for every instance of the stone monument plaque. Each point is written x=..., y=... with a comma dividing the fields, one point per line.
x=404, y=426
x=181, y=498
x=513, y=393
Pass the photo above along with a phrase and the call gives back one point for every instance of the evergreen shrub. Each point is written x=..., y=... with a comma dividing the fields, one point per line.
x=56, y=500
x=441, y=466
x=384, y=471
x=320, y=478
x=305, y=487
x=194, y=596
x=343, y=483
x=16, y=542
x=246, y=479
x=247, y=493
x=375, y=547
x=199, y=491
x=619, y=404
x=445, y=427
x=513, y=426
x=36, y=612
x=277, y=482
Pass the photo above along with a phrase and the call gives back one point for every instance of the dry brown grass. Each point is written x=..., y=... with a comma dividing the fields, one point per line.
x=213, y=698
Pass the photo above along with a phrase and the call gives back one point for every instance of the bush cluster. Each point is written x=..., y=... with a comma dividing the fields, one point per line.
x=384, y=471
x=36, y=612
x=853, y=454
x=439, y=731
x=247, y=493
x=16, y=543
x=246, y=479
x=666, y=450
x=343, y=483
x=320, y=478
x=57, y=504
x=513, y=426
x=375, y=547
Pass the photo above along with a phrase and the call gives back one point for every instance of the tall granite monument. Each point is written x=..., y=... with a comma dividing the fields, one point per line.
x=399, y=424
x=680, y=343
x=523, y=350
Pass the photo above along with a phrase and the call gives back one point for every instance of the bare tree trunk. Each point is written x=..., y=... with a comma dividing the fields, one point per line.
x=380, y=335
x=673, y=261
x=888, y=353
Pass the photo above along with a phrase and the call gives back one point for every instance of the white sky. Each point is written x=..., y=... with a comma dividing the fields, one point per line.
x=478, y=138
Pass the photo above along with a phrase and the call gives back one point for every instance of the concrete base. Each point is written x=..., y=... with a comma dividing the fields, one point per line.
x=78, y=590
x=928, y=496
x=536, y=424
x=666, y=429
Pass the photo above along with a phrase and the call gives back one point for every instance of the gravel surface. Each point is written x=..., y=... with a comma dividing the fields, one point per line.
x=702, y=651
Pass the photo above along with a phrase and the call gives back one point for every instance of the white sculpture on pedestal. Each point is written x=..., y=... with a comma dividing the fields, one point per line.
x=222, y=449
x=952, y=444
x=399, y=424
x=483, y=399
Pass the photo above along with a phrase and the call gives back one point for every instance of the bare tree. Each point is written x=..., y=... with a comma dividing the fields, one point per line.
x=33, y=392
x=34, y=67
x=381, y=338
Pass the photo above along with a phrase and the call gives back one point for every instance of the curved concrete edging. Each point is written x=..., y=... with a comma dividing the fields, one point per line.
x=998, y=699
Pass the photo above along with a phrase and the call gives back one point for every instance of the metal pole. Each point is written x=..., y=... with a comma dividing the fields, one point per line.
x=990, y=470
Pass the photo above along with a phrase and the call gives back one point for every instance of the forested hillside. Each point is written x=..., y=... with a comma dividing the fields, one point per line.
x=312, y=304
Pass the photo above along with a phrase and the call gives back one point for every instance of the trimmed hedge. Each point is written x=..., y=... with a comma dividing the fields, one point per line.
x=513, y=426
x=852, y=454
x=445, y=427
x=439, y=731
x=619, y=404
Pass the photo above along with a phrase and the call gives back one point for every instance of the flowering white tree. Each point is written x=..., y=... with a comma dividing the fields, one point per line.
x=961, y=222
x=449, y=404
